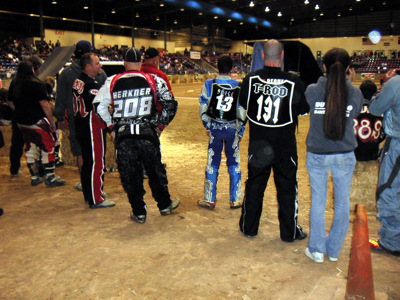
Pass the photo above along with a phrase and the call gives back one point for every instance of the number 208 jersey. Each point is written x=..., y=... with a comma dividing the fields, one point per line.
x=273, y=99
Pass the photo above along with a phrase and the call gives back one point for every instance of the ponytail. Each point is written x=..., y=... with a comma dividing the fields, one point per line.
x=336, y=96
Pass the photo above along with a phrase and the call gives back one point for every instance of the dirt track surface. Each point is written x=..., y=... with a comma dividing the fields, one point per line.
x=52, y=246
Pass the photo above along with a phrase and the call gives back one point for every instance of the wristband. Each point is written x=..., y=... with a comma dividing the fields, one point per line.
x=51, y=124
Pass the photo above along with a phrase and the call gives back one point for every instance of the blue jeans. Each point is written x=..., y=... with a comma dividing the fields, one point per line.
x=388, y=204
x=342, y=167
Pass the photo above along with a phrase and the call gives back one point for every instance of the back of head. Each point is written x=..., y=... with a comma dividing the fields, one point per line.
x=81, y=48
x=132, y=58
x=85, y=60
x=272, y=50
x=151, y=53
x=24, y=70
x=225, y=64
x=368, y=89
x=336, y=62
x=3, y=94
x=36, y=61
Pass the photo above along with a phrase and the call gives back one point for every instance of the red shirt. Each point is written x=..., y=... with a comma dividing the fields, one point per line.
x=147, y=68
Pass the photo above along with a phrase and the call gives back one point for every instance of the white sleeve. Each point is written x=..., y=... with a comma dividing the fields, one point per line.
x=102, y=101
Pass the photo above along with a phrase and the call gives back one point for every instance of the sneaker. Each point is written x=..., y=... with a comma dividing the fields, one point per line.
x=36, y=181
x=317, y=257
x=393, y=252
x=174, y=205
x=236, y=205
x=141, y=219
x=16, y=174
x=54, y=181
x=332, y=258
x=78, y=187
x=104, y=204
x=206, y=204
x=300, y=234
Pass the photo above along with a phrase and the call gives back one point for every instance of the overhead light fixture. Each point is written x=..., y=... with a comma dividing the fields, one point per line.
x=314, y=19
x=215, y=17
x=316, y=7
x=292, y=20
x=137, y=15
x=229, y=20
x=251, y=4
x=350, y=8
x=175, y=22
x=306, y=2
x=241, y=23
x=54, y=2
x=158, y=18
x=384, y=3
x=267, y=9
x=338, y=15
x=113, y=11
x=161, y=4
x=358, y=0
x=279, y=14
x=85, y=6
x=321, y=14
x=182, y=9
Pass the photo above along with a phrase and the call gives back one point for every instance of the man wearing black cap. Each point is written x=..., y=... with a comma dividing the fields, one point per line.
x=64, y=100
x=151, y=63
x=142, y=107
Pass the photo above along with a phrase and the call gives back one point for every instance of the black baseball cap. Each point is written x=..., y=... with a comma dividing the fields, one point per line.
x=132, y=55
x=82, y=47
x=150, y=53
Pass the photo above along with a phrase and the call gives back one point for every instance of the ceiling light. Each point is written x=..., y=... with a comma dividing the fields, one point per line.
x=175, y=22
x=314, y=19
x=64, y=19
x=292, y=20
x=251, y=4
x=85, y=6
x=338, y=14
x=316, y=7
x=306, y=2
x=137, y=15
x=279, y=14
x=113, y=11
x=161, y=4
x=200, y=13
x=241, y=23
x=182, y=9
x=229, y=20
x=358, y=0
x=54, y=2
x=267, y=9
x=350, y=8
x=321, y=14
x=158, y=18
x=384, y=3
x=215, y=17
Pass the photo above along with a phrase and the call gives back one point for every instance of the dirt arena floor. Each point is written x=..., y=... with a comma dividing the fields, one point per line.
x=52, y=246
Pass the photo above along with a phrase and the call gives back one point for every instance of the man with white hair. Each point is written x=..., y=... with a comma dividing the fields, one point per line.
x=136, y=107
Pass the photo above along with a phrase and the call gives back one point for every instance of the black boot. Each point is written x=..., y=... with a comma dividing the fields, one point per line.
x=51, y=179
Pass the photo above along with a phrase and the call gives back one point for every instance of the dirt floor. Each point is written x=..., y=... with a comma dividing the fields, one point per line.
x=52, y=246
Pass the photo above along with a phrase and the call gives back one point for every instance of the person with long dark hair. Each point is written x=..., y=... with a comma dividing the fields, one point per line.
x=28, y=97
x=334, y=103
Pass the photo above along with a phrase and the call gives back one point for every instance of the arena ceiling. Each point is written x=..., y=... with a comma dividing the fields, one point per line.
x=237, y=19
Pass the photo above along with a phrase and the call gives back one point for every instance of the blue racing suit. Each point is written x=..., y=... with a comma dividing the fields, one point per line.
x=224, y=119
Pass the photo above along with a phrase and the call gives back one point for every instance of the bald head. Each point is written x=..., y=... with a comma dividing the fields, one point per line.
x=272, y=52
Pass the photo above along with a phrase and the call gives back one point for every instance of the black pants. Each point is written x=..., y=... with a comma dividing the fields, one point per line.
x=16, y=149
x=132, y=155
x=284, y=165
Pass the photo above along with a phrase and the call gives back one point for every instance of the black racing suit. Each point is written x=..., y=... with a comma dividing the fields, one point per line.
x=273, y=99
x=141, y=103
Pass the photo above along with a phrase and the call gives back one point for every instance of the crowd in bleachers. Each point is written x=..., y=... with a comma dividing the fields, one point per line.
x=13, y=51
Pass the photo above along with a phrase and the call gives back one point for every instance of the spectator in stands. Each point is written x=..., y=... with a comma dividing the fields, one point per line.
x=368, y=127
x=63, y=105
